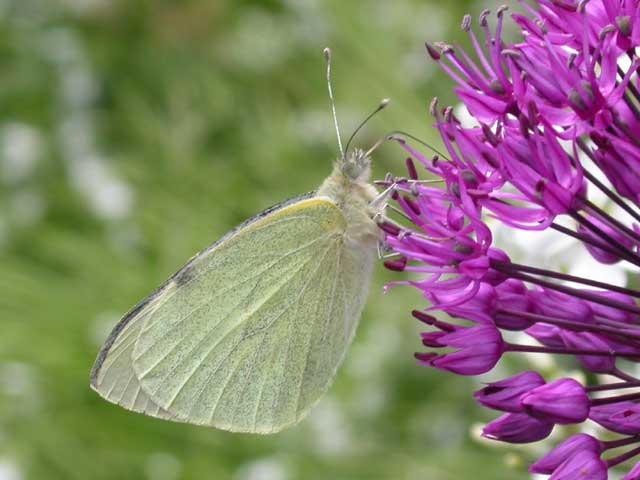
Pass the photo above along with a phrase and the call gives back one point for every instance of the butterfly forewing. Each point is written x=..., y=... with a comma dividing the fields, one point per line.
x=113, y=375
x=248, y=336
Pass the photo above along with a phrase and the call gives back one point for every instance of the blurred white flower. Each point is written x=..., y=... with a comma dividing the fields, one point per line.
x=162, y=466
x=330, y=427
x=17, y=379
x=26, y=207
x=268, y=468
x=108, y=197
x=79, y=86
x=373, y=349
x=9, y=470
x=20, y=151
x=260, y=41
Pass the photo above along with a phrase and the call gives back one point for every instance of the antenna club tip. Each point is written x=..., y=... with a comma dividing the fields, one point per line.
x=385, y=102
x=327, y=53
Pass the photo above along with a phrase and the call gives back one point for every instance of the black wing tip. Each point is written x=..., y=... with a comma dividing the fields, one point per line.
x=95, y=370
x=124, y=321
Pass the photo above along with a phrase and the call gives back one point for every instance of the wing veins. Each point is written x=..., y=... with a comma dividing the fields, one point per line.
x=292, y=252
x=124, y=390
x=328, y=320
x=345, y=308
x=207, y=382
x=325, y=328
x=208, y=252
x=259, y=398
x=288, y=354
x=224, y=389
x=211, y=330
x=256, y=354
x=111, y=388
x=306, y=360
x=135, y=398
x=174, y=347
x=116, y=356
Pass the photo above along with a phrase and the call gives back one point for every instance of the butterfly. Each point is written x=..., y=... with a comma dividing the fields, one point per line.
x=249, y=334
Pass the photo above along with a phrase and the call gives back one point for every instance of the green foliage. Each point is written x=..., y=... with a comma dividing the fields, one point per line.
x=134, y=133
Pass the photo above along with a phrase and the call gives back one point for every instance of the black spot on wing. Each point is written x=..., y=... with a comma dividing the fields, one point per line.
x=184, y=275
x=181, y=277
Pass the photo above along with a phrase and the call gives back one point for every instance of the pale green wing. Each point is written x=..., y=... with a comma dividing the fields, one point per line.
x=249, y=335
x=113, y=376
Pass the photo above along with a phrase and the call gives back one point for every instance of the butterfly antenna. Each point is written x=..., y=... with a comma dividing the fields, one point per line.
x=327, y=56
x=376, y=145
x=393, y=136
x=382, y=105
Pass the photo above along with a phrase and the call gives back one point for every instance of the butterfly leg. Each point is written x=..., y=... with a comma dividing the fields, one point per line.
x=377, y=209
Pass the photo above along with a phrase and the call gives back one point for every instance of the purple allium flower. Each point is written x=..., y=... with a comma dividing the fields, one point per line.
x=557, y=130
x=634, y=473
x=603, y=256
x=506, y=394
x=565, y=450
x=517, y=428
x=478, y=348
x=563, y=401
x=585, y=465
x=621, y=417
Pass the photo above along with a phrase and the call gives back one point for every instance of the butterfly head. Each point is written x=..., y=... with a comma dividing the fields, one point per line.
x=356, y=165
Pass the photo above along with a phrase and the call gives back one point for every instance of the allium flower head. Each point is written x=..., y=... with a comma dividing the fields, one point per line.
x=557, y=129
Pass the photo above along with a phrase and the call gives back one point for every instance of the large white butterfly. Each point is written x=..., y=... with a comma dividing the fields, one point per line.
x=248, y=335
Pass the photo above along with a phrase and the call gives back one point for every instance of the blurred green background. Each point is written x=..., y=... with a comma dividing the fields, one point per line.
x=133, y=134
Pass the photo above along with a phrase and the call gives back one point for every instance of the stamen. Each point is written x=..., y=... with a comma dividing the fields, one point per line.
x=411, y=168
x=613, y=386
x=603, y=188
x=624, y=253
x=512, y=347
x=623, y=442
x=617, y=333
x=567, y=277
x=612, y=462
x=570, y=291
x=396, y=265
x=619, y=398
x=630, y=86
x=594, y=209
